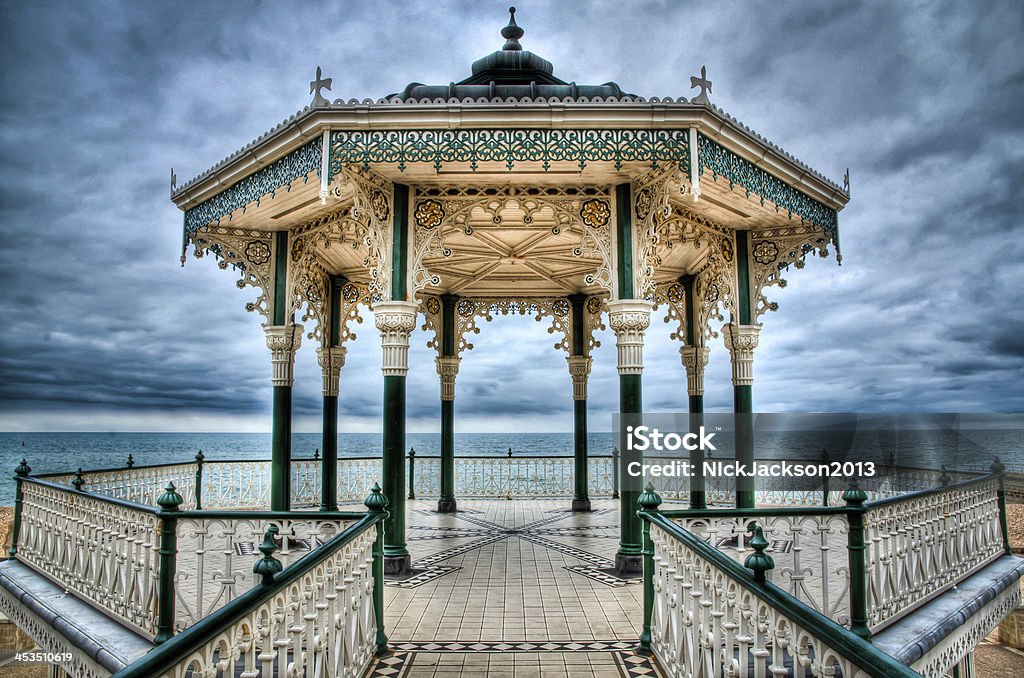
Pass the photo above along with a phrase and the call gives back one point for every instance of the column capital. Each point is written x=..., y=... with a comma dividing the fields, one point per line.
x=396, y=320
x=695, y=359
x=331, y=360
x=283, y=341
x=629, y=319
x=579, y=370
x=741, y=340
x=447, y=369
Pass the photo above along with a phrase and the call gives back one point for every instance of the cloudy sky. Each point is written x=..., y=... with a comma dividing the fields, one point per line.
x=104, y=331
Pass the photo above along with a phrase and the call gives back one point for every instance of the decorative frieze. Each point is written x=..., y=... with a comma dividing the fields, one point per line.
x=579, y=370
x=629, y=319
x=741, y=340
x=695, y=359
x=331, y=360
x=283, y=341
x=396, y=320
x=448, y=370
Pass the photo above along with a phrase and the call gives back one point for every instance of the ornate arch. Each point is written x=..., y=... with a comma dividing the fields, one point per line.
x=249, y=252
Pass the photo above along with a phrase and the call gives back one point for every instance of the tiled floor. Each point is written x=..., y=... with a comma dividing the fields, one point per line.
x=513, y=588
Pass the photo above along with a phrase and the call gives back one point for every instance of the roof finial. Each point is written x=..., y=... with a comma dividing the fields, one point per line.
x=512, y=32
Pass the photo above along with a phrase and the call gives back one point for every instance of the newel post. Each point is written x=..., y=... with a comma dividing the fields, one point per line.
x=20, y=474
x=856, y=550
x=199, y=480
x=170, y=503
x=377, y=503
x=758, y=561
x=648, y=502
x=999, y=471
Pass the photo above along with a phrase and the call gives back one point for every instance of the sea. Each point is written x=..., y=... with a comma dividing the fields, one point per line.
x=65, y=452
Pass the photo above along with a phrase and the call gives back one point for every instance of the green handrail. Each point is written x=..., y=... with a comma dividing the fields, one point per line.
x=155, y=662
x=844, y=642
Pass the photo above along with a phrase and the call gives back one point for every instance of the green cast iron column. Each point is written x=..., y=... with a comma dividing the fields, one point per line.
x=447, y=367
x=396, y=319
x=282, y=340
x=628, y=318
x=695, y=359
x=331, y=358
x=741, y=340
x=579, y=369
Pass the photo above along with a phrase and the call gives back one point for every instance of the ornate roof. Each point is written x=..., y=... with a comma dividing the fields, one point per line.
x=510, y=72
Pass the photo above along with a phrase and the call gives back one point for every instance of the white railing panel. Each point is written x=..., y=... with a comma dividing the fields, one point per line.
x=321, y=625
x=216, y=555
x=810, y=554
x=705, y=623
x=920, y=546
x=104, y=552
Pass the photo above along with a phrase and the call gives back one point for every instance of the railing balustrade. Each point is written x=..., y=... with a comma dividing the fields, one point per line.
x=106, y=551
x=216, y=549
x=139, y=484
x=704, y=614
x=921, y=544
x=320, y=616
x=809, y=547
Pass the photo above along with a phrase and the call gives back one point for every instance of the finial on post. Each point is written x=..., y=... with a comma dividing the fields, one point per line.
x=268, y=565
x=512, y=32
x=78, y=480
x=131, y=461
x=855, y=496
x=758, y=561
x=23, y=468
x=944, y=477
x=376, y=502
x=170, y=500
x=997, y=467
x=200, y=457
x=649, y=500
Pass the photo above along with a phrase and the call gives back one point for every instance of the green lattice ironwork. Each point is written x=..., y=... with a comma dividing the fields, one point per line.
x=722, y=162
x=280, y=174
x=509, y=146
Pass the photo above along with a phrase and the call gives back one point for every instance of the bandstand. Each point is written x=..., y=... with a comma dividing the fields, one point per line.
x=439, y=207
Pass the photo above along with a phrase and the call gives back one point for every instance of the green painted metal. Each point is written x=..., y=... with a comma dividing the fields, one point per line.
x=743, y=277
x=400, y=244
x=169, y=502
x=280, y=277
x=698, y=486
x=329, y=463
x=268, y=566
x=624, y=238
x=154, y=663
x=446, y=503
x=200, y=457
x=412, y=473
x=338, y=283
x=377, y=506
x=756, y=181
x=744, y=424
x=281, y=449
x=20, y=474
x=847, y=644
x=394, y=465
x=857, y=554
x=630, y=528
x=474, y=146
x=299, y=164
x=758, y=562
x=999, y=470
x=581, y=490
x=648, y=502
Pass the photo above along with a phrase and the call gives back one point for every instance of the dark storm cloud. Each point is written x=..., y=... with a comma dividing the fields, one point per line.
x=99, y=100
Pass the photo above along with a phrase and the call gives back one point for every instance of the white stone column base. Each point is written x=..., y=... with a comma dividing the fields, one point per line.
x=396, y=320
x=283, y=341
x=331, y=360
x=741, y=340
x=629, y=319
x=695, y=359
x=447, y=369
x=579, y=370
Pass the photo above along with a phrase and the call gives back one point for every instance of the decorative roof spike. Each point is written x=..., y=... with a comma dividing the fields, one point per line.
x=846, y=181
x=316, y=85
x=705, y=87
x=512, y=33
